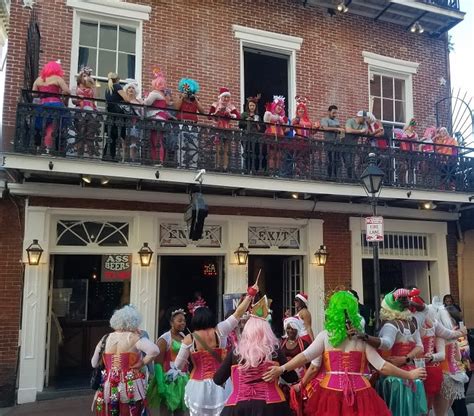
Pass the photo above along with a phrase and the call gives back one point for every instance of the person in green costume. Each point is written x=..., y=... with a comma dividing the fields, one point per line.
x=166, y=389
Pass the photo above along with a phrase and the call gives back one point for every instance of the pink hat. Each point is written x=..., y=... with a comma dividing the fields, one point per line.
x=224, y=91
x=303, y=297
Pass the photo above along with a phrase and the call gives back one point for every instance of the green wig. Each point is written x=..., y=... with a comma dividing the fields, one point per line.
x=335, y=318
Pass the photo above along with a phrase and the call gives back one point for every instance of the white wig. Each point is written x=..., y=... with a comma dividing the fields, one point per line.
x=126, y=319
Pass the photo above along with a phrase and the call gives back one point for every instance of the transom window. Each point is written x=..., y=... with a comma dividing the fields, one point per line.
x=388, y=98
x=84, y=233
x=107, y=47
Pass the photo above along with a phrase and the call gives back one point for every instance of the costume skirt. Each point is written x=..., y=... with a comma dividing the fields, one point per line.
x=452, y=389
x=433, y=380
x=327, y=402
x=167, y=391
x=205, y=398
x=404, y=398
x=257, y=408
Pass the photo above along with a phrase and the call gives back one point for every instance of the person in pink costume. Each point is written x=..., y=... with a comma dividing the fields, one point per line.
x=344, y=389
x=224, y=111
x=256, y=351
x=49, y=85
x=125, y=353
x=275, y=119
x=159, y=99
x=87, y=125
x=206, y=347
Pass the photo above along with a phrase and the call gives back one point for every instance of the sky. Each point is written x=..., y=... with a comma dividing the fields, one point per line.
x=462, y=58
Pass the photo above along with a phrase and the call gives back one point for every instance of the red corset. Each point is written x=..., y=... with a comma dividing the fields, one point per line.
x=52, y=89
x=204, y=364
x=248, y=385
x=429, y=344
x=121, y=361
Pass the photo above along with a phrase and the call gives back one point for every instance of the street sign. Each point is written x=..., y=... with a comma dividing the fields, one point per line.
x=374, y=229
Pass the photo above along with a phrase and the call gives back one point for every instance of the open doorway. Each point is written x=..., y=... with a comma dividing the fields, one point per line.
x=82, y=300
x=281, y=278
x=395, y=274
x=265, y=73
x=183, y=279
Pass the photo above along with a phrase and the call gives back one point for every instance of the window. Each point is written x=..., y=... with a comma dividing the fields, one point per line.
x=107, y=47
x=388, y=98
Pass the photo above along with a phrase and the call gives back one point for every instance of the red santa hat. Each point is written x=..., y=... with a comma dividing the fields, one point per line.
x=303, y=297
x=223, y=92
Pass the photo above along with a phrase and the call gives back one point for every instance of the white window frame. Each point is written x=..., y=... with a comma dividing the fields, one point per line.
x=113, y=12
x=270, y=42
x=396, y=68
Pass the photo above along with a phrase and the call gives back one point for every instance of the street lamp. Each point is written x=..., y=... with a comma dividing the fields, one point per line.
x=241, y=254
x=145, y=253
x=321, y=256
x=34, y=252
x=372, y=181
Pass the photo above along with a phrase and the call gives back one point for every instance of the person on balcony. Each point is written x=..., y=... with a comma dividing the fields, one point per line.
x=406, y=163
x=332, y=129
x=355, y=127
x=206, y=347
x=50, y=84
x=159, y=99
x=224, y=111
x=133, y=137
x=251, y=145
x=376, y=132
x=275, y=119
x=446, y=147
x=305, y=155
x=188, y=105
x=344, y=388
x=116, y=97
x=87, y=125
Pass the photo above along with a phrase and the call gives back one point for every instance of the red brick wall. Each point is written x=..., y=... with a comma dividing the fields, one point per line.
x=194, y=38
x=11, y=276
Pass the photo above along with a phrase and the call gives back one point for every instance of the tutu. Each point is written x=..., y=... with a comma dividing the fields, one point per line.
x=205, y=398
x=433, y=380
x=404, y=398
x=452, y=389
x=167, y=391
x=327, y=402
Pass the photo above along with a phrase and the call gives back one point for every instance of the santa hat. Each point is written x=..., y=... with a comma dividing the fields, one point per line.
x=294, y=323
x=303, y=297
x=224, y=92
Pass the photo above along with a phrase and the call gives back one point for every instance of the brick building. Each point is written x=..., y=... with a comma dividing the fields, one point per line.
x=86, y=212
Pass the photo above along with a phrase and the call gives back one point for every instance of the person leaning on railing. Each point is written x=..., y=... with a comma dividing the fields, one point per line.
x=50, y=84
x=355, y=127
x=446, y=147
x=332, y=129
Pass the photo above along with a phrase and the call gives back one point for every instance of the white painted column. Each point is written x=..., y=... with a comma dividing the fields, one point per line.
x=357, y=283
x=143, y=287
x=236, y=280
x=314, y=275
x=439, y=269
x=34, y=311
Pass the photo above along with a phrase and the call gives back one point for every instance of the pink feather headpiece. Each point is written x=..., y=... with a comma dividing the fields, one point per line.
x=193, y=306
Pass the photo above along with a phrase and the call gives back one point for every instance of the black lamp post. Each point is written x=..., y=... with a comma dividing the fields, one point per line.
x=372, y=181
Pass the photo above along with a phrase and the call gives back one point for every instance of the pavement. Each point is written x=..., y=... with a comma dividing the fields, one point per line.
x=78, y=406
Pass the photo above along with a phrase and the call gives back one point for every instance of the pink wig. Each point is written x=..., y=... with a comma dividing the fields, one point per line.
x=159, y=82
x=257, y=343
x=50, y=69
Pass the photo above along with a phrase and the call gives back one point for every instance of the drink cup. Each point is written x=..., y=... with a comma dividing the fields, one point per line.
x=419, y=362
x=461, y=325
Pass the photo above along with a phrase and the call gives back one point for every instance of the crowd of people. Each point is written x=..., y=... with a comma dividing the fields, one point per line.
x=416, y=363
x=267, y=142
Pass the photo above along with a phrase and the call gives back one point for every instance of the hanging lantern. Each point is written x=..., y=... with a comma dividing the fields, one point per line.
x=34, y=252
x=242, y=254
x=145, y=253
x=321, y=256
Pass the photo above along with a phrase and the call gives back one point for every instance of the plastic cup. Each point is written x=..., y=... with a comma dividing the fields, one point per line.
x=419, y=362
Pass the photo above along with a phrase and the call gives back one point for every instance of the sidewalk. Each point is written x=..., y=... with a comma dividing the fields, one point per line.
x=71, y=406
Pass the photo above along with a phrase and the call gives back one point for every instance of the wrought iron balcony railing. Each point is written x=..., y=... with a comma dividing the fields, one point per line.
x=137, y=139
x=449, y=4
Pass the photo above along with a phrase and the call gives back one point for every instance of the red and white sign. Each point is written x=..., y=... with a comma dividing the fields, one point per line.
x=116, y=267
x=374, y=229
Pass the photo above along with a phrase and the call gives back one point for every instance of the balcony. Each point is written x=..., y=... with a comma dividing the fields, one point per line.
x=180, y=146
x=435, y=16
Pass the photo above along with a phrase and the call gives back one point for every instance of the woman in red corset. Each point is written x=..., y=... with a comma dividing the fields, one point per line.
x=206, y=347
x=124, y=354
